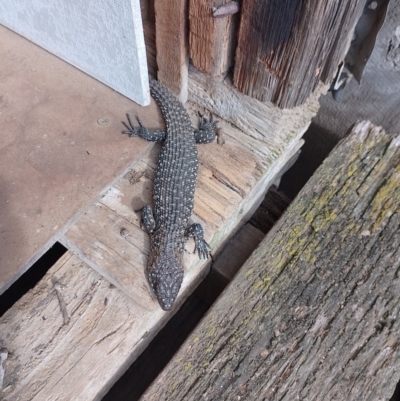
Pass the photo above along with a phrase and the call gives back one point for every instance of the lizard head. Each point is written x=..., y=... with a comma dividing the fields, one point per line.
x=165, y=277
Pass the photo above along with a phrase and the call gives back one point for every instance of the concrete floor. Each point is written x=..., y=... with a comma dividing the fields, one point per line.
x=60, y=147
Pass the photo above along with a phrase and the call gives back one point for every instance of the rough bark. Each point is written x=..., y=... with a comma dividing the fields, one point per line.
x=286, y=47
x=313, y=314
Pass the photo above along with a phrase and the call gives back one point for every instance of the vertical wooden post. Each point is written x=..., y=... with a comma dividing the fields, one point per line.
x=171, y=44
x=212, y=40
x=286, y=46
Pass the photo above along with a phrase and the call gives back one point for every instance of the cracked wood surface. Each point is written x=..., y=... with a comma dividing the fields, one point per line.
x=49, y=360
x=313, y=314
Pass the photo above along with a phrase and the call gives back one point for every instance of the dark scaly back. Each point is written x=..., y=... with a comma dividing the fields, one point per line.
x=176, y=173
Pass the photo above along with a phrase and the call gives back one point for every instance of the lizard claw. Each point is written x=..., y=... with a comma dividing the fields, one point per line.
x=202, y=248
x=131, y=130
x=200, y=245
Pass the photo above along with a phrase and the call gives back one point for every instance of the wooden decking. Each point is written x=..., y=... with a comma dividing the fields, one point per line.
x=60, y=147
x=112, y=316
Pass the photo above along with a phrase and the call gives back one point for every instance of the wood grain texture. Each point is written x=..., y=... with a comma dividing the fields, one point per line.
x=150, y=363
x=109, y=238
x=100, y=343
x=258, y=123
x=286, y=47
x=211, y=40
x=313, y=314
x=172, y=46
x=49, y=360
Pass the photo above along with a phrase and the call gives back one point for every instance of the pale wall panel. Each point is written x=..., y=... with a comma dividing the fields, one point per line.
x=104, y=38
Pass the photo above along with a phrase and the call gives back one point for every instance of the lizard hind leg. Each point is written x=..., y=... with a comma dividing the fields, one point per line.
x=201, y=246
x=207, y=130
x=147, y=218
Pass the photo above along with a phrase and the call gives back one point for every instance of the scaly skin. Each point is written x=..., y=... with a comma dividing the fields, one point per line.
x=174, y=187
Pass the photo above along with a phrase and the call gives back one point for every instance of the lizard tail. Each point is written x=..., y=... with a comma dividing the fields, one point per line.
x=171, y=108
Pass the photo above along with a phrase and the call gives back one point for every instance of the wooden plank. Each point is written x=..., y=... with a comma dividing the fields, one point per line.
x=245, y=241
x=110, y=240
x=102, y=38
x=314, y=311
x=150, y=363
x=171, y=45
x=49, y=360
x=116, y=249
x=212, y=40
x=286, y=47
x=60, y=148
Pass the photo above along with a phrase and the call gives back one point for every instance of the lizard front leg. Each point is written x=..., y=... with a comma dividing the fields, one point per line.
x=143, y=132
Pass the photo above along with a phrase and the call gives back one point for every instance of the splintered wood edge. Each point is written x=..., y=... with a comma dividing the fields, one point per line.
x=82, y=359
x=267, y=123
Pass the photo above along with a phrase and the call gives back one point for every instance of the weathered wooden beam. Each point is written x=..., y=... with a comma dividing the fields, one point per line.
x=171, y=45
x=49, y=359
x=212, y=39
x=286, y=47
x=313, y=314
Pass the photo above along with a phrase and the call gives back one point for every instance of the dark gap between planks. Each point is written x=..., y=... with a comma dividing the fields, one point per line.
x=31, y=277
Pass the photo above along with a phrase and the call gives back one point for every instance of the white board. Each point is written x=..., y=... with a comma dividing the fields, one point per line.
x=103, y=38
